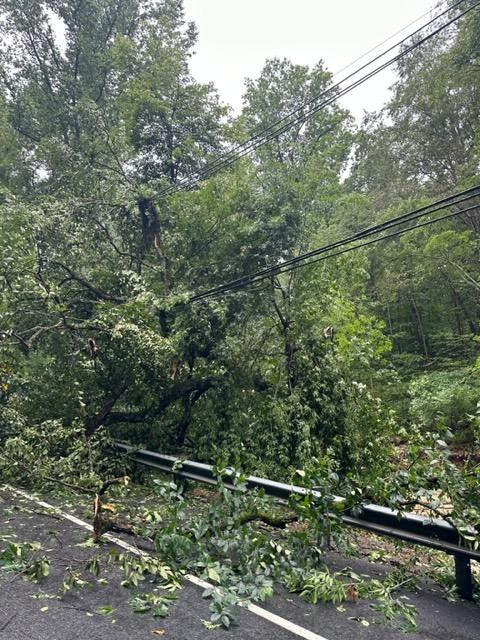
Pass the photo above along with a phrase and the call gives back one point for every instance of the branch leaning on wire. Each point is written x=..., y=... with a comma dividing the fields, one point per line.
x=300, y=115
x=306, y=259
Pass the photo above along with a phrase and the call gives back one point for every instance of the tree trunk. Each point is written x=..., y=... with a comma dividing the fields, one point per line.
x=418, y=327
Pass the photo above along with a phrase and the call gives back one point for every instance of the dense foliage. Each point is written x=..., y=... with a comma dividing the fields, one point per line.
x=101, y=249
x=356, y=374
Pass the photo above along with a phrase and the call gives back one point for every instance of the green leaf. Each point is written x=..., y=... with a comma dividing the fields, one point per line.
x=214, y=575
x=162, y=611
x=106, y=609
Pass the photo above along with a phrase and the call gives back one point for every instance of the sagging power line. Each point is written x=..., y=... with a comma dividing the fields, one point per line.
x=339, y=247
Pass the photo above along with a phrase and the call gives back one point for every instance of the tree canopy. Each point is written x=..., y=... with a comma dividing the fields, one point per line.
x=100, y=118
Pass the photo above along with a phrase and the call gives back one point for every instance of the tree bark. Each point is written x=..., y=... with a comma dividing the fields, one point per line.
x=180, y=390
x=101, y=415
x=418, y=328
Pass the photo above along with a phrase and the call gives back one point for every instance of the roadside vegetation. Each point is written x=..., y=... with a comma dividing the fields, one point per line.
x=358, y=373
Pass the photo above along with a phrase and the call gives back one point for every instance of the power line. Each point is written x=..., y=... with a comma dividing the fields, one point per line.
x=278, y=128
x=299, y=116
x=307, y=258
x=281, y=270
x=457, y=198
x=353, y=248
x=288, y=122
x=400, y=232
x=380, y=44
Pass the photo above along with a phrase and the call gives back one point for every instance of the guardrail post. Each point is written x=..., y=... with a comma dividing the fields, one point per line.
x=463, y=576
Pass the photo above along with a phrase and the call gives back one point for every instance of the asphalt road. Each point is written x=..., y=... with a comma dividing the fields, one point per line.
x=40, y=612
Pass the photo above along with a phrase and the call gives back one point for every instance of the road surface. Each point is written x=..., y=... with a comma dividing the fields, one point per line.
x=39, y=611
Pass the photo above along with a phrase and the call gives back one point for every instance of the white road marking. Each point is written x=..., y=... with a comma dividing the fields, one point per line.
x=263, y=613
x=271, y=617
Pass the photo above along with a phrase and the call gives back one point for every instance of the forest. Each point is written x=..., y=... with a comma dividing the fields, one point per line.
x=200, y=283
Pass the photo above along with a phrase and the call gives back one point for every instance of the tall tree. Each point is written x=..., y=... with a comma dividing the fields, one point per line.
x=92, y=91
x=426, y=137
x=96, y=294
x=91, y=84
x=425, y=144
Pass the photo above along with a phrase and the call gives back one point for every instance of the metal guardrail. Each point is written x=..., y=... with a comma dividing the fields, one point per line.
x=429, y=532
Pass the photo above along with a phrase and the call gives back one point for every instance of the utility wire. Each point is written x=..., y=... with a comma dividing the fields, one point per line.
x=381, y=44
x=306, y=258
x=346, y=250
x=284, y=124
x=400, y=232
x=281, y=271
x=369, y=242
x=300, y=115
x=278, y=128
x=382, y=226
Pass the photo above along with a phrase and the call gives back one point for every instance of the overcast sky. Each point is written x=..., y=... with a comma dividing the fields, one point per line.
x=237, y=36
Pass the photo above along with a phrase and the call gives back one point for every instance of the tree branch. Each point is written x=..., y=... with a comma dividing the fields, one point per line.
x=99, y=418
x=99, y=294
x=180, y=390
